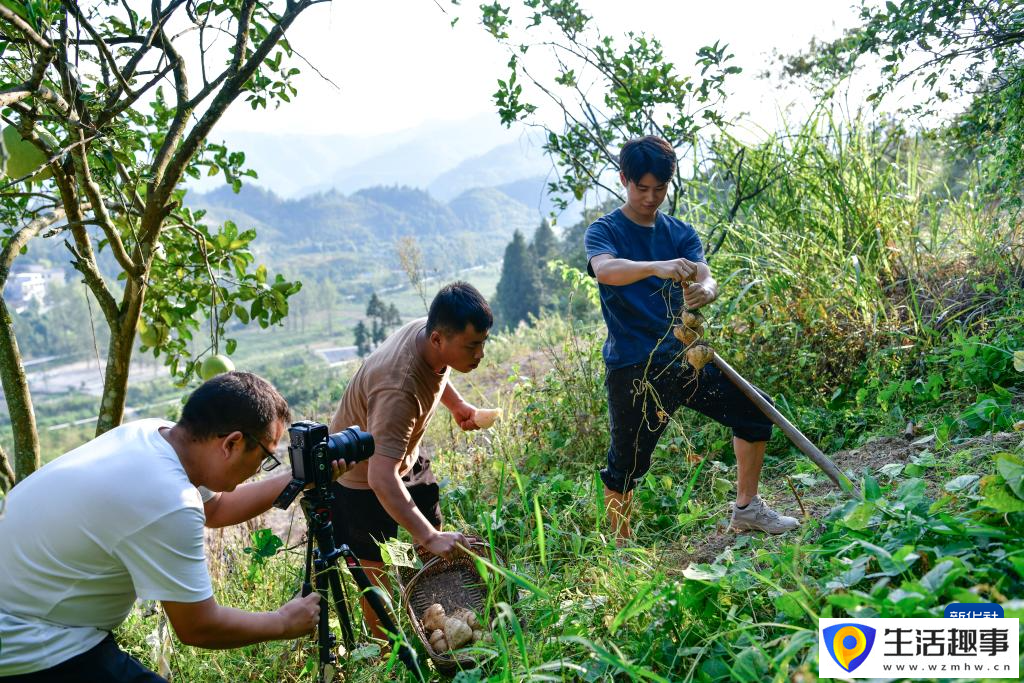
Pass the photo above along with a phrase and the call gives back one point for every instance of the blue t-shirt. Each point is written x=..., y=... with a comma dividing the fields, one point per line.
x=640, y=316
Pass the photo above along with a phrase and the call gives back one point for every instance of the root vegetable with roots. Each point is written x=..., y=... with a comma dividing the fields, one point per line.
x=699, y=355
x=693, y=320
x=685, y=334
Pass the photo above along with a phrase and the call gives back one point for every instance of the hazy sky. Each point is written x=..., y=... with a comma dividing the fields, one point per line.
x=398, y=63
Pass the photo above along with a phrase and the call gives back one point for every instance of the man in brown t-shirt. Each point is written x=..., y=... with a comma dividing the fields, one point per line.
x=393, y=396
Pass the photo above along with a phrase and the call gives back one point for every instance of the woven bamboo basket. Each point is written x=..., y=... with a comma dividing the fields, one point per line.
x=453, y=583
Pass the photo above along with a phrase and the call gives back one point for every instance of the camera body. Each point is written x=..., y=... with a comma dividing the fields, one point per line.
x=312, y=449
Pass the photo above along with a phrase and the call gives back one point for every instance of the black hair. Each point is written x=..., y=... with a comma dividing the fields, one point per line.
x=234, y=402
x=649, y=154
x=456, y=305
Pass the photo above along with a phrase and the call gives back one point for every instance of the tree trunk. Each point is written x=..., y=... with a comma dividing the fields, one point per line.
x=6, y=474
x=12, y=372
x=19, y=401
x=119, y=356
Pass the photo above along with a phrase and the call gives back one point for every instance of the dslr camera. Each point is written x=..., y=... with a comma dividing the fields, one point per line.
x=312, y=449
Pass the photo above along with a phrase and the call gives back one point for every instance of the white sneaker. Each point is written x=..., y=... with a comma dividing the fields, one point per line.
x=757, y=516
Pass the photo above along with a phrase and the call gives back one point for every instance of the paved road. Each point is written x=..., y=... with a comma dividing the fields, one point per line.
x=86, y=377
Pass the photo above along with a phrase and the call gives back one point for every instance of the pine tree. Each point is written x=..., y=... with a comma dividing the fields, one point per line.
x=545, y=244
x=518, y=294
x=377, y=331
x=393, y=318
x=545, y=249
x=383, y=318
x=375, y=307
x=362, y=339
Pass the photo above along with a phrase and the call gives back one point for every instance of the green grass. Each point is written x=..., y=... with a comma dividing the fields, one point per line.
x=920, y=328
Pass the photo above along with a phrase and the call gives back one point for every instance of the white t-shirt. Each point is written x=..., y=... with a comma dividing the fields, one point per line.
x=113, y=520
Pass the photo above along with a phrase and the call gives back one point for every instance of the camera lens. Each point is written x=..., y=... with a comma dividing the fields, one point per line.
x=351, y=444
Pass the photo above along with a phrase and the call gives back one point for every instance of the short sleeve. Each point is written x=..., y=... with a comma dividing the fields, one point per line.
x=166, y=558
x=391, y=417
x=690, y=246
x=598, y=240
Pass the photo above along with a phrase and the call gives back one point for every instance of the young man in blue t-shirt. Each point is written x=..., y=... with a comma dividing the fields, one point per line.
x=648, y=266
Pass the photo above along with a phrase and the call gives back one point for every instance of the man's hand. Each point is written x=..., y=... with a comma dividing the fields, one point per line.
x=463, y=414
x=443, y=543
x=680, y=269
x=299, y=615
x=696, y=295
x=340, y=467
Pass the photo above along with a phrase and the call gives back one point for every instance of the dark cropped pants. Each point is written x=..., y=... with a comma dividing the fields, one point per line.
x=641, y=399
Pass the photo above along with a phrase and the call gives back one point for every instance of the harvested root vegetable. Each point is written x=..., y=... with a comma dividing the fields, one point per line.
x=457, y=632
x=467, y=616
x=698, y=356
x=686, y=335
x=485, y=417
x=433, y=618
x=478, y=635
x=695, y=321
x=438, y=642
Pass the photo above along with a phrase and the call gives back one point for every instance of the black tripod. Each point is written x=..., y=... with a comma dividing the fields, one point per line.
x=322, y=567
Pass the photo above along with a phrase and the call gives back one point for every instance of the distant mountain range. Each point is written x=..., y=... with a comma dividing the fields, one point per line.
x=445, y=158
x=471, y=229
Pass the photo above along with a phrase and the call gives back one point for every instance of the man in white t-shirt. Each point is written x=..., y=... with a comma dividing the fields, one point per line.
x=121, y=518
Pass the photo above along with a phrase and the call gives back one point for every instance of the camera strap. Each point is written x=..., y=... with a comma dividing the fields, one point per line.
x=293, y=489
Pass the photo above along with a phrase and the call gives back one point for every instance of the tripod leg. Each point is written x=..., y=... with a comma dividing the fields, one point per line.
x=405, y=651
x=340, y=605
x=325, y=638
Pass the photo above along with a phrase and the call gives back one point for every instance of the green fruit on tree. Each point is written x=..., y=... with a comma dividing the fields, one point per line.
x=153, y=335
x=21, y=157
x=215, y=365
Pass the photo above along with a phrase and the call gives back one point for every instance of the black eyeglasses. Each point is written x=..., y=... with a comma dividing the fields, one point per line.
x=269, y=461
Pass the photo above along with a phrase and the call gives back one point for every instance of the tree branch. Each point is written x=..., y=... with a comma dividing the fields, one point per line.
x=92, y=192
x=22, y=237
x=34, y=38
x=100, y=44
x=227, y=94
x=177, y=127
x=129, y=71
x=92, y=276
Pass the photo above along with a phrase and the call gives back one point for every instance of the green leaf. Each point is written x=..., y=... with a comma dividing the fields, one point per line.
x=941, y=576
x=365, y=652
x=998, y=495
x=860, y=516
x=871, y=488
x=704, y=572
x=265, y=544
x=639, y=604
x=398, y=553
x=789, y=604
x=16, y=7
x=964, y=481
x=1012, y=468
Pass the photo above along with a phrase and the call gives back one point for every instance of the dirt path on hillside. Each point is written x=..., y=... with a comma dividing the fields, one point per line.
x=819, y=498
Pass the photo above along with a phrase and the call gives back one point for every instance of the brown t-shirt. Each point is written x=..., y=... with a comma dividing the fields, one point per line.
x=392, y=396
